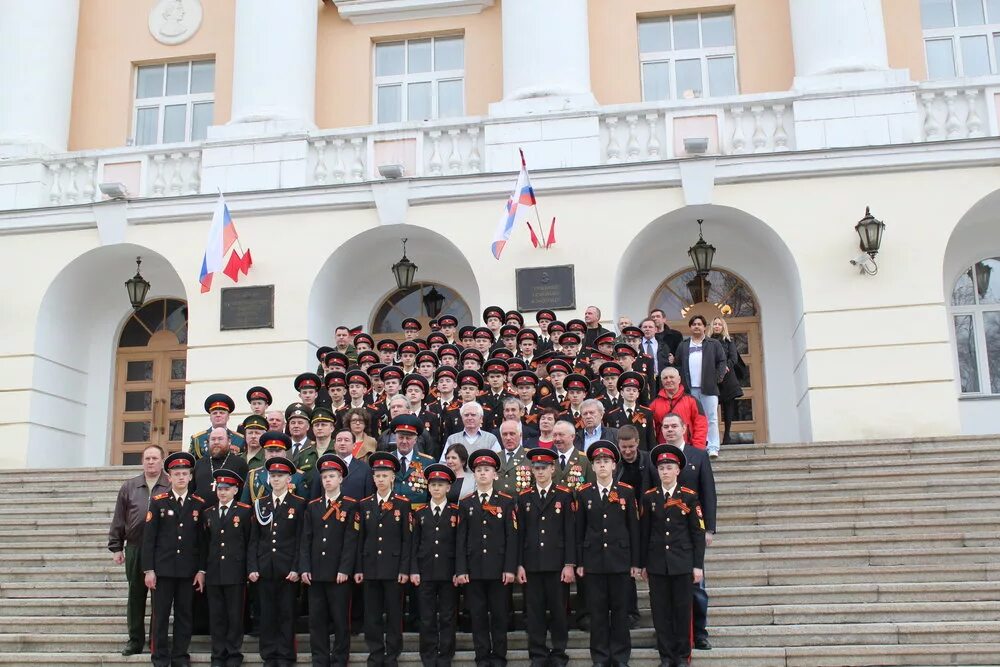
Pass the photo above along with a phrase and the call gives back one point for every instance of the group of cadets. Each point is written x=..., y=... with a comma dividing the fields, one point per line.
x=285, y=525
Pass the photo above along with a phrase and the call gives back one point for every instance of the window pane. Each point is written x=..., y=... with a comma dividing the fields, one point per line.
x=991, y=327
x=936, y=14
x=389, y=59
x=418, y=54
x=418, y=101
x=988, y=280
x=176, y=430
x=201, y=119
x=450, y=98
x=203, y=76
x=744, y=410
x=449, y=53
x=137, y=432
x=688, y=79
x=174, y=119
x=993, y=10
x=996, y=50
x=131, y=459
x=176, y=399
x=717, y=30
x=970, y=12
x=654, y=35
x=975, y=56
x=390, y=100
x=686, y=32
x=178, y=369
x=177, y=78
x=965, y=340
x=656, y=81
x=138, y=401
x=940, y=59
x=150, y=83
x=146, y=121
x=721, y=76
x=139, y=371
x=964, y=292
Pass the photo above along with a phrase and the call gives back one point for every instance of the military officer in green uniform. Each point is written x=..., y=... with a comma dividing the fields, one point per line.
x=273, y=444
x=218, y=407
x=254, y=426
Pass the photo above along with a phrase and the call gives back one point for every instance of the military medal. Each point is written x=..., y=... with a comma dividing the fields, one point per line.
x=170, y=512
x=236, y=521
x=559, y=506
x=396, y=515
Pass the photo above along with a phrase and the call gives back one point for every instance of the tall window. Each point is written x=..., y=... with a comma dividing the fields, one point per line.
x=688, y=56
x=419, y=79
x=975, y=312
x=961, y=37
x=173, y=102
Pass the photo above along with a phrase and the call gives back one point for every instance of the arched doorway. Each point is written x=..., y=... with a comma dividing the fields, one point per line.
x=150, y=373
x=724, y=294
x=388, y=317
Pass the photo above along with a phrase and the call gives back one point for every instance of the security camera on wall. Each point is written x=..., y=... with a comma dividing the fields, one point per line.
x=864, y=263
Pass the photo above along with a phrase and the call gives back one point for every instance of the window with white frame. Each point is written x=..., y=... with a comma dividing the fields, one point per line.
x=688, y=56
x=173, y=102
x=961, y=37
x=419, y=79
x=975, y=312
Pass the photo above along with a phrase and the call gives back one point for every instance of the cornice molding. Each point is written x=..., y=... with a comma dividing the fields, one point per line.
x=381, y=11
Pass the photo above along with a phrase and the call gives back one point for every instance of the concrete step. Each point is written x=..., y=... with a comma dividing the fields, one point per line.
x=825, y=574
x=834, y=559
x=777, y=513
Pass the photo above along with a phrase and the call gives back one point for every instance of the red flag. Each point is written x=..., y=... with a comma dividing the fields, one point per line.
x=233, y=267
x=552, y=233
x=534, y=239
x=246, y=262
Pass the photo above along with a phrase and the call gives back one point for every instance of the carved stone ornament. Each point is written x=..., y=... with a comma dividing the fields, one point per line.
x=175, y=21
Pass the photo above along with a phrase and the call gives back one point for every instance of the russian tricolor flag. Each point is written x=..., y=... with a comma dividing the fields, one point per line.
x=520, y=204
x=221, y=238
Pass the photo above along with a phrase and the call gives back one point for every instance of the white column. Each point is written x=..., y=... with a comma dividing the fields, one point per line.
x=840, y=43
x=37, y=61
x=274, y=68
x=546, y=56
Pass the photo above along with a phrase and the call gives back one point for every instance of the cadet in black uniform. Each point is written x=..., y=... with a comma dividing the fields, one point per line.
x=672, y=554
x=227, y=536
x=547, y=558
x=171, y=548
x=383, y=563
x=607, y=554
x=273, y=560
x=326, y=557
x=435, y=529
x=486, y=560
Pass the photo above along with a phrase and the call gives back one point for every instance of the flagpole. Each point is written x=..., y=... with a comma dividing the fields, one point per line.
x=538, y=216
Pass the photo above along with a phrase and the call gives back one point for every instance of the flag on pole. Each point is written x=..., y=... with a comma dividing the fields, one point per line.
x=222, y=237
x=520, y=205
x=534, y=238
x=552, y=233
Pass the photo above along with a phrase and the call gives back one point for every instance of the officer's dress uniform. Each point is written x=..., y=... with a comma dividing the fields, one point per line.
x=435, y=532
x=672, y=544
x=171, y=547
x=227, y=538
x=273, y=553
x=608, y=547
x=383, y=554
x=548, y=544
x=487, y=547
x=329, y=547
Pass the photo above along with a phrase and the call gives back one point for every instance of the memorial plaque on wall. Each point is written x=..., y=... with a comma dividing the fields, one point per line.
x=247, y=308
x=552, y=287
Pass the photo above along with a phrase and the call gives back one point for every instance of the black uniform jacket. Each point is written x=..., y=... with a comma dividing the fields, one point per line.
x=607, y=532
x=548, y=529
x=171, y=540
x=698, y=477
x=329, y=538
x=225, y=544
x=275, y=536
x=672, y=533
x=487, y=536
x=434, y=542
x=384, y=537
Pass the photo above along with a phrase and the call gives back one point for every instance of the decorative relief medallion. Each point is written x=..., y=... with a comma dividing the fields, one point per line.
x=175, y=21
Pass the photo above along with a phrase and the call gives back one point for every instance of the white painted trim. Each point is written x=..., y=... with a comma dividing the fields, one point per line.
x=360, y=12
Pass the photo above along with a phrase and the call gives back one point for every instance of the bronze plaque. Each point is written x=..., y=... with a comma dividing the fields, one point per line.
x=552, y=287
x=247, y=308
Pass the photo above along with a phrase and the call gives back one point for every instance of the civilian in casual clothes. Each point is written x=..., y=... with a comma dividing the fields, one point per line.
x=472, y=435
x=729, y=388
x=456, y=457
x=702, y=363
x=673, y=398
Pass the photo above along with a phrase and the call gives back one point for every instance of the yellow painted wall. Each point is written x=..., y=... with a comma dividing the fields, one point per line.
x=904, y=37
x=113, y=36
x=763, y=44
x=344, y=69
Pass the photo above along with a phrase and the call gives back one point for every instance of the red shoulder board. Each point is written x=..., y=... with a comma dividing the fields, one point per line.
x=244, y=505
x=316, y=500
x=345, y=498
x=368, y=497
x=582, y=487
x=197, y=497
x=295, y=496
x=504, y=495
x=453, y=506
x=161, y=496
x=400, y=497
x=419, y=506
x=468, y=495
x=627, y=486
x=529, y=490
x=684, y=489
x=560, y=487
x=653, y=490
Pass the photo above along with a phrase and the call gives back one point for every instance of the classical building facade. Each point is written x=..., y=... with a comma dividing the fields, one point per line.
x=777, y=122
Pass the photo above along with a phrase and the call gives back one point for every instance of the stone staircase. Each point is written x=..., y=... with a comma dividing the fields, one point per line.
x=829, y=554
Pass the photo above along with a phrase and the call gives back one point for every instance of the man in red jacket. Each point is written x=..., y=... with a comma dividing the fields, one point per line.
x=673, y=398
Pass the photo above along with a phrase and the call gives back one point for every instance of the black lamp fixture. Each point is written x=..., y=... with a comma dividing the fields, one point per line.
x=404, y=270
x=702, y=254
x=137, y=287
x=870, y=232
x=433, y=301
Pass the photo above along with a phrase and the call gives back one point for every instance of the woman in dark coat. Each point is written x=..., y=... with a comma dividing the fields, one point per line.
x=729, y=388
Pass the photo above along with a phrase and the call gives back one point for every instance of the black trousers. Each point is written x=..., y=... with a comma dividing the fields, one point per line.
x=700, y=611
x=608, y=599
x=670, y=604
x=487, y=603
x=225, y=608
x=545, y=595
x=384, y=637
x=633, y=598
x=277, y=620
x=329, y=603
x=175, y=592
x=437, y=621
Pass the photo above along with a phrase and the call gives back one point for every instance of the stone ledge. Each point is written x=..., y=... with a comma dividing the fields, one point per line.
x=381, y=11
